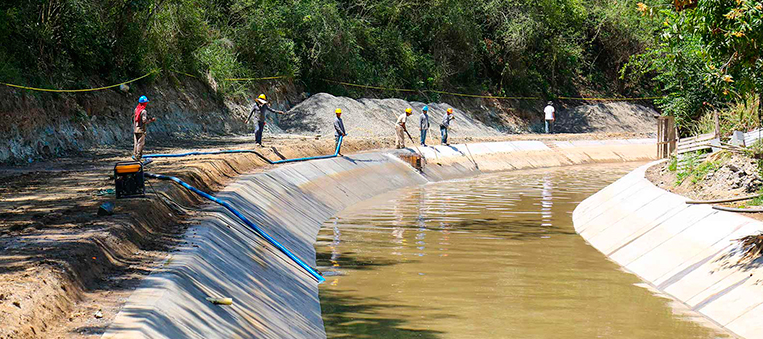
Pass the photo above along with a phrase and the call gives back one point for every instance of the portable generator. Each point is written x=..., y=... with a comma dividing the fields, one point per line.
x=128, y=178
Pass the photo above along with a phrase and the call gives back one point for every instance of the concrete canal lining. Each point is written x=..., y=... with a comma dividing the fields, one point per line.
x=685, y=251
x=274, y=298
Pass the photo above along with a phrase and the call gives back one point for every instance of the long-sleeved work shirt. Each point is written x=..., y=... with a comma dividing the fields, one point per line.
x=141, y=123
x=424, y=122
x=446, y=120
x=259, y=112
x=339, y=127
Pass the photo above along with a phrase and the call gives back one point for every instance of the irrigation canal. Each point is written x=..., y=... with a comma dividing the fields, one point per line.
x=495, y=256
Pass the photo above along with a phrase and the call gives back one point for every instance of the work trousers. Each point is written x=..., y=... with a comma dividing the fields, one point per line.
x=259, y=126
x=444, y=135
x=139, y=143
x=549, y=126
x=400, y=141
x=423, y=137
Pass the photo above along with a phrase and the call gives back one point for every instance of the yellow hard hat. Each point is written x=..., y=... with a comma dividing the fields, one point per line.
x=262, y=96
x=450, y=111
x=338, y=111
x=408, y=110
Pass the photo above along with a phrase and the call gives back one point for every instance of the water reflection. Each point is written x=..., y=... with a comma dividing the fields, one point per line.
x=489, y=257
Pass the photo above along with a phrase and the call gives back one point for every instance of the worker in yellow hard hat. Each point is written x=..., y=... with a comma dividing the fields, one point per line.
x=338, y=129
x=261, y=107
x=400, y=128
x=445, y=124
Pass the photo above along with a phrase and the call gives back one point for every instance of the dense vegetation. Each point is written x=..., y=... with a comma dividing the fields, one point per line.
x=706, y=58
x=703, y=59
x=504, y=47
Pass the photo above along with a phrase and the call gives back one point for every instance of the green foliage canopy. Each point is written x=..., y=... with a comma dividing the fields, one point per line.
x=704, y=57
x=547, y=47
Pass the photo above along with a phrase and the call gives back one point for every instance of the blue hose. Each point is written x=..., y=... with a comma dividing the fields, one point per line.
x=336, y=153
x=246, y=221
x=178, y=155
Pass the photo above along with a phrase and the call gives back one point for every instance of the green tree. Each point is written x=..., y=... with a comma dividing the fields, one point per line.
x=705, y=56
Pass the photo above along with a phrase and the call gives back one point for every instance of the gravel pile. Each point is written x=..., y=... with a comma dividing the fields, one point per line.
x=374, y=117
x=607, y=117
x=737, y=174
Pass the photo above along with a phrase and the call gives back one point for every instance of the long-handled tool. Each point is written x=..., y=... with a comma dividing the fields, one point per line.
x=471, y=156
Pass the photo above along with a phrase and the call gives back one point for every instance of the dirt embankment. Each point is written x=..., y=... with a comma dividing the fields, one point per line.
x=40, y=125
x=721, y=175
x=376, y=117
x=615, y=117
x=61, y=263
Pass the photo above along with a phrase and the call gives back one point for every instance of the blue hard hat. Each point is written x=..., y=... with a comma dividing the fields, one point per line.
x=426, y=108
x=143, y=99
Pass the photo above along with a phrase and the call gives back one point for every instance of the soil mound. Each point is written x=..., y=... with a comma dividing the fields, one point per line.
x=374, y=117
x=614, y=117
x=721, y=175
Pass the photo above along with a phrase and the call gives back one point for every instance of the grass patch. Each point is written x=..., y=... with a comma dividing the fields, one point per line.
x=693, y=168
x=757, y=201
x=673, y=163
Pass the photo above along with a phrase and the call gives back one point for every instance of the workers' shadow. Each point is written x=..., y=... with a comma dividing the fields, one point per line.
x=355, y=161
x=455, y=149
x=277, y=153
x=470, y=157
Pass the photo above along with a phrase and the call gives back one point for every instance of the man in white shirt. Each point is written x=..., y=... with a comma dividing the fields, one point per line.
x=400, y=128
x=550, y=117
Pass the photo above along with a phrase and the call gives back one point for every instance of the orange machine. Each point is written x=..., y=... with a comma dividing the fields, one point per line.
x=128, y=178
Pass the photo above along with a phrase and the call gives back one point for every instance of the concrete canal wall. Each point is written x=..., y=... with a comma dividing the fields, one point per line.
x=683, y=250
x=274, y=298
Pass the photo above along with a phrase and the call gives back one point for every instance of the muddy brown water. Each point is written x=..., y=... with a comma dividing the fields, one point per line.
x=494, y=256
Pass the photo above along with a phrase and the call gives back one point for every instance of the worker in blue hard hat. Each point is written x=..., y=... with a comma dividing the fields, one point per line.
x=424, y=124
x=140, y=125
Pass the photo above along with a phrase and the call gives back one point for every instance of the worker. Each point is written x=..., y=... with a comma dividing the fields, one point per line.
x=550, y=113
x=262, y=108
x=424, y=124
x=338, y=129
x=400, y=128
x=140, y=125
x=445, y=124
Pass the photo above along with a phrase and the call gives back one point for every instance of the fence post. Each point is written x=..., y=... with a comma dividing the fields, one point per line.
x=666, y=136
x=717, y=124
